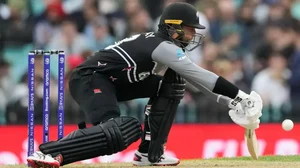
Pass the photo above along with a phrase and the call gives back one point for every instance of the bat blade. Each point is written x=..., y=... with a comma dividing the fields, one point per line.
x=251, y=141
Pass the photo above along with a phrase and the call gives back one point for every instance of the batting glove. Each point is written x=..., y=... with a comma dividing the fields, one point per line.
x=238, y=116
x=246, y=109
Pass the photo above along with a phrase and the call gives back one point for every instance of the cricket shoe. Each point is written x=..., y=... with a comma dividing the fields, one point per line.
x=40, y=160
x=141, y=159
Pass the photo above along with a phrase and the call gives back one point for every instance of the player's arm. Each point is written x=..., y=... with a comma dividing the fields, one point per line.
x=224, y=100
x=169, y=54
x=172, y=56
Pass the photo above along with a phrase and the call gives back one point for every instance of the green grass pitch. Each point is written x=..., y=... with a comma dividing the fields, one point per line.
x=239, y=162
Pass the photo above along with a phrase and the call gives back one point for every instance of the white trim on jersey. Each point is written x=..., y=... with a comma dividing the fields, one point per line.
x=128, y=72
x=134, y=64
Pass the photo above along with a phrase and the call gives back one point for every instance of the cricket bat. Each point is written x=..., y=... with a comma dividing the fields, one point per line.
x=251, y=141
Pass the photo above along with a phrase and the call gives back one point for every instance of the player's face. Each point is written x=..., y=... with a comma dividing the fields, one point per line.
x=191, y=39
x=189, y=33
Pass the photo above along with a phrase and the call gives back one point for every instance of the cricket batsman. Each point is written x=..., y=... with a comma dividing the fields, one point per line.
x=128, y=70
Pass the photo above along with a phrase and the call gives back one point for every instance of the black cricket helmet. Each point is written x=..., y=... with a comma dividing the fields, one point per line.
x=177, y=15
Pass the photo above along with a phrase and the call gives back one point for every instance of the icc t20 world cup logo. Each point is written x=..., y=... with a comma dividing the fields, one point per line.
x=61, y=60
x=47, y=61
x=32, y=61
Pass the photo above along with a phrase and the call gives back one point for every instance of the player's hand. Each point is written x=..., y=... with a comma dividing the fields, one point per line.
x=238, y=116
x=250, y=104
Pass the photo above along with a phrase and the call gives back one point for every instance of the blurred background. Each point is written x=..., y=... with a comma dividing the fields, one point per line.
x=253, y=43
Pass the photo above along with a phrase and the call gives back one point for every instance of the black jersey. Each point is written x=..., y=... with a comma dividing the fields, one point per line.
x=129, y=60
x=133, y=59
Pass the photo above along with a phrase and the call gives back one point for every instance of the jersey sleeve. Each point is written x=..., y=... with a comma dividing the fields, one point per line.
x=216, y=97
x=172, y=56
